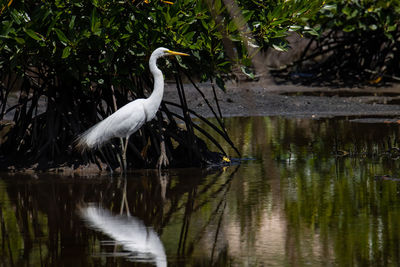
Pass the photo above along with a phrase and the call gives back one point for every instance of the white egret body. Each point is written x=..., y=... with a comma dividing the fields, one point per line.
x=129, y=118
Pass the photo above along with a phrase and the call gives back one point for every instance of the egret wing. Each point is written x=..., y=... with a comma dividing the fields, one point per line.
x=121, y=123
x=127, y=119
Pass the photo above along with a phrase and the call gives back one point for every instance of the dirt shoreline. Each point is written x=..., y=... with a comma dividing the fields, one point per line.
x=260, y=99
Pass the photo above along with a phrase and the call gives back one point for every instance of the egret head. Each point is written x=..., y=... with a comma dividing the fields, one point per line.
x=162, y=52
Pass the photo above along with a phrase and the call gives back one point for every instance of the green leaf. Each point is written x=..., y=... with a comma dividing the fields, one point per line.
x=235, y=38
x=61, y=36
x=7, y=27
x=280, y=48
x=373, y=27
x=66, y=52
x=16, y=16
x=247, y=14
x=205, y=25
x=217, y=6
x=72, y=22
x=53, y=22
x=349, y=28
x=294, y=28
x=19, y=40
x=33, y=34
x=312, y=32
x=247, y=72
x=232, y=26
x=330, y=7
x=224, y=63
x=391, y=28
x=196, y=54
x=346, y=10
x=189, y=36
x=94, y=24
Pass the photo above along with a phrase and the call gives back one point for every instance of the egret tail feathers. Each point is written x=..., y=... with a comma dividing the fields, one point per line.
x=94, y=137
x=80, y=143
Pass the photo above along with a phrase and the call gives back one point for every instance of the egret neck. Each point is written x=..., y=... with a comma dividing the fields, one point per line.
x=156, y=96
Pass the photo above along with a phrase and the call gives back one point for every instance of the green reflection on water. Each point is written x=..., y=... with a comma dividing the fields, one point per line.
x=299, y=202
x=334, y=211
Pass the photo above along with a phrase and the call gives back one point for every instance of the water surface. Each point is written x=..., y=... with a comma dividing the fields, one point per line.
x=318, y=192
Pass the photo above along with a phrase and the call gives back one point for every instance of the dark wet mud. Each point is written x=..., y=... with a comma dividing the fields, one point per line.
x=257, y=99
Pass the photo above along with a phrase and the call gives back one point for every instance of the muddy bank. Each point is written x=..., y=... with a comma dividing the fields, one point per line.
x=260, y=99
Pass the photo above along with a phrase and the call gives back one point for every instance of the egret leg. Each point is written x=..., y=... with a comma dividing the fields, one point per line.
x=163, y=159
x=124, y=153
x=120, y=162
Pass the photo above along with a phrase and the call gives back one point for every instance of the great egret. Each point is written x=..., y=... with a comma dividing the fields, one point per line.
x=129, y=118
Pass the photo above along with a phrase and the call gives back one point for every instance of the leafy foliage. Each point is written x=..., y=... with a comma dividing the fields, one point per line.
x=80, y=60
x=274, y=20
x=358, y=43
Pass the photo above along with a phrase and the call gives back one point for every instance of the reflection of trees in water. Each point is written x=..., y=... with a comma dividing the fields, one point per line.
x=345, y=218
x=44, y=213
x=335, y=209
x=282, y=138
x=186, y=247
x=52, y=232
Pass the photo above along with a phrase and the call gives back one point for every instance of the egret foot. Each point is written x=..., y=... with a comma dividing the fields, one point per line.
x=163, y=159
x=105, y=159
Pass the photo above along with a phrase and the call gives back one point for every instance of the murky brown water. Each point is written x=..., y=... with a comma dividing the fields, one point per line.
x=309, y=197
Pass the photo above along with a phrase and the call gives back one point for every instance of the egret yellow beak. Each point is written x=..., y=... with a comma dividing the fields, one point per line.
x=177, y=53
x=148, y=1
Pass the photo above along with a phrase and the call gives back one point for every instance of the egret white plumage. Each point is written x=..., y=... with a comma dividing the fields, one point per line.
x=142, y=243
x=129, y=118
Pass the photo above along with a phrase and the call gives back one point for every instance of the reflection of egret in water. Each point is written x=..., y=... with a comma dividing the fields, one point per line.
x=142, y=242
